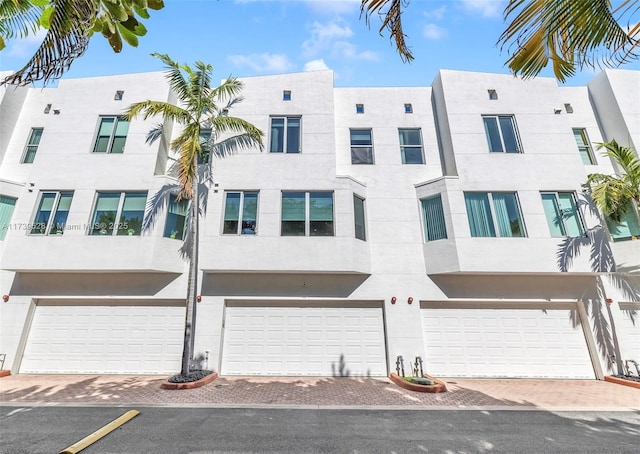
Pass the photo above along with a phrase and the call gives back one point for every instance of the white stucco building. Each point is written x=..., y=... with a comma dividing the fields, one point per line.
x=446, y=222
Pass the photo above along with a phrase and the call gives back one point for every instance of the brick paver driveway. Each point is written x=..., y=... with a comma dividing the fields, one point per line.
x=316, y=392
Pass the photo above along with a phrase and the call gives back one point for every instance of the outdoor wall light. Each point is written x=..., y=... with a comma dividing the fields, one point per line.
x=5, y=298
x=199, y=298
x=609, y=300
x=410, y=300
x=393, y=300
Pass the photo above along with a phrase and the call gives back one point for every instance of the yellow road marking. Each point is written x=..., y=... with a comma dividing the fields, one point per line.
x=98, y=434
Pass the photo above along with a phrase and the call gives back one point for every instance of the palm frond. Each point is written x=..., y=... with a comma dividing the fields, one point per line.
x=67, y=39
x=149, y=108
x=390, y=12
x=232, y=145
x=568, y=34
x=18, y=18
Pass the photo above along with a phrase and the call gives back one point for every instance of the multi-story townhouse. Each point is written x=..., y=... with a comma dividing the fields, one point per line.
x=446, y=222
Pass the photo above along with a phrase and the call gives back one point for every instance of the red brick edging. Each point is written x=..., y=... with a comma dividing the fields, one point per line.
x=5, y=373
x=622, y=381
x=440, y=387
x=194, y=384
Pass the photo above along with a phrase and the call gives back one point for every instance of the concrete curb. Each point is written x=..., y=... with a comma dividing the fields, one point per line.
x=622, y=381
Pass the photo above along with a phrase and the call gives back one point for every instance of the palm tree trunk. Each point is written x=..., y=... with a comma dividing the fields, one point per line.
x=192, y=285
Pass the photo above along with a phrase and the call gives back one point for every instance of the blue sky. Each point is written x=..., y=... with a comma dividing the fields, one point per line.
x=258, y=37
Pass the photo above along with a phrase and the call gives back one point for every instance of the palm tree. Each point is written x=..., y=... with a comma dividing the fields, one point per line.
x=200, y=108
x=614, y=194
x=70, y=25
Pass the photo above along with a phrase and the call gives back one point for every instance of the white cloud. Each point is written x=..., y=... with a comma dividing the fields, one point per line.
x=349, y=51
x=323, y=36
x=432, y=31
x=315, y=65
x=437, y=14
x=25, y=47
x=488, y=8
x=263, y=63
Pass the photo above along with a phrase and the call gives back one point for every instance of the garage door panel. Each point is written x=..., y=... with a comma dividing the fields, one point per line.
x=510, y=343
x=104, y=339
x=319, y=341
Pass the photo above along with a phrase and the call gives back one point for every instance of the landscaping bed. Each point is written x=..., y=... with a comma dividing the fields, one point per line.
x=195, y=379
x=426, y=384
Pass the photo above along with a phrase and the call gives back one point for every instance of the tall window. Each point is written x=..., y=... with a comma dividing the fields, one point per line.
x=361, y=146
x=285, y=135
x=628, y=228
x=562, y=214
x=53, y=210
x=177, y=214
x=32, y=145
x=359, y=220
x=307, y=214
x=7, y=204
x=411, y=146
x=118, y=213
x=501, y=133
x=489, y=213
x=584, y=147
x=112, y=134
x=205, y=137
x=240, y=213
x=434, y=224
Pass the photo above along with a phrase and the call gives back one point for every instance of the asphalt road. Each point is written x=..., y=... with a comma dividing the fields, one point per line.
x=159, y=430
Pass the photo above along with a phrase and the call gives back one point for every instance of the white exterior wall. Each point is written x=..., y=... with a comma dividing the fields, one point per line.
x=394, y=261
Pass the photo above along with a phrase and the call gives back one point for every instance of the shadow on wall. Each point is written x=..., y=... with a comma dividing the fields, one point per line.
x=602, y=261
x=341, y=370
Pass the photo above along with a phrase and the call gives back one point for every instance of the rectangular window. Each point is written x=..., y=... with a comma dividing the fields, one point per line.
x=177, y=215
x=307, y=214
x=112, y=134
x=32, y=145
x=205, y=146
x=562, y=214
x=118, y=213
x=411, y=146
x=286, y=95
x=7, y=205
x=361, y=146
x=408, y=108
x=359, y=220
x=53, y=210
x=285, y=135
x=489, y=213
x=240, y=213
x=433, y=215
x=584, y=147
x=360, y=108
x=628, y=228
x=502, y=134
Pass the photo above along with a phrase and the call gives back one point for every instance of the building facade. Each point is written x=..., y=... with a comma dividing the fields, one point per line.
x=447, y=222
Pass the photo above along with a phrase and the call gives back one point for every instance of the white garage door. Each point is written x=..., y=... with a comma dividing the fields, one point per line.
x=629, y=332
x=312, y=341
x=469, y=342
x=122, y=339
